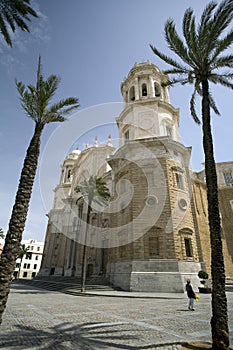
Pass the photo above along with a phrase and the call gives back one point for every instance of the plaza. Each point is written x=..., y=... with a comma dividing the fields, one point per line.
x=42, y=319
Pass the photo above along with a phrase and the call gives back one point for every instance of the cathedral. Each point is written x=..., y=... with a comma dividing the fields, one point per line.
x=154, y=232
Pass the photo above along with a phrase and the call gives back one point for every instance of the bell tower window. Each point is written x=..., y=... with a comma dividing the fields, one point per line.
x=157, y=90
x=132, y=94
x=126, y=135
x=144, y=90
x=169, y=131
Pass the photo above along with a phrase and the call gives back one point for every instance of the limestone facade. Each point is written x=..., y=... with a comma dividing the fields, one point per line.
x=154, y=234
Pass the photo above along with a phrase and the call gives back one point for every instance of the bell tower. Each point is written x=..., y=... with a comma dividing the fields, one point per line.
x=147, y=111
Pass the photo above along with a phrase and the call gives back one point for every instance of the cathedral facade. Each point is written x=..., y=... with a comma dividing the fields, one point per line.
x=154, y=233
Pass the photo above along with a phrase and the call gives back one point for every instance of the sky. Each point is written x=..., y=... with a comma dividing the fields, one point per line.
x=91, y=45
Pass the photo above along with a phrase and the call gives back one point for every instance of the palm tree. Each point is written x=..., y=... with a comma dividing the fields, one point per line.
x=203, y=63
x=35, y=100
x=95, y=190
x=14, y=12
x=23, y=250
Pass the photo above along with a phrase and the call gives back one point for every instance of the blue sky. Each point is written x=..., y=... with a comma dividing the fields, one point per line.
x=91, y=45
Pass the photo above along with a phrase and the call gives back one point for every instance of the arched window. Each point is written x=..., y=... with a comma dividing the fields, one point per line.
x=69, y=175
x=132, y=94
x=144, y=90
x=169, y=130
x=157, y=89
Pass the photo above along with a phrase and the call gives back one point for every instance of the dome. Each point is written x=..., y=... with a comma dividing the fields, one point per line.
x=76, y=151
x=74, y=154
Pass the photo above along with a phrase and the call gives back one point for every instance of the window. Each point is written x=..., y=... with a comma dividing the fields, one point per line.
x=144, y=90
x=153, y=246
x=179, y=181
x=24, y=266
x=33, y=274
x=169, y=131
x=25, y=274
x=188, y=247
x=132, y=94
x=35, y=266
x=28, y=266
x=228, y=178
x=126, y=135
x=38, y=249
x=37, y=257
x=80, y=214
x=69, y=175
x=32, y=247
x=157, y=90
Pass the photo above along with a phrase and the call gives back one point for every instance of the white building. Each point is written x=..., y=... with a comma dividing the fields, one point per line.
x=30, y=266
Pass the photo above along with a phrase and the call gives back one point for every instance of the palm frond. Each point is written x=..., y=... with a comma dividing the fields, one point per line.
x=10, y=20
x=175, y=43
x=222, y=45
x=51, y=85
x=53, y=118
x=217, y=79
x=192, y=106
x=223, y=61
x=205, y=19
x=94, y=189
x=189, y=32
x=15, y=13
x=4, y=31
x=167, y=59
x=221, y=19
x=35, y=99
x=71, y=102
x=174, y=81
x=186, y=23
x=213, y=104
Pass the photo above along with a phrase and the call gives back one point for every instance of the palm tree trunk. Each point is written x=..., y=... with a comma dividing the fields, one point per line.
x=18, y=217
x=84, y=262
x=219, y=320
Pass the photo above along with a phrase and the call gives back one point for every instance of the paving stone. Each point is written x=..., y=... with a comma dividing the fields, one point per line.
x=46, y=321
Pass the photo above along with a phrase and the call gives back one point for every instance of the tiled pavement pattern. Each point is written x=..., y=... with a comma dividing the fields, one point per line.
x=39, y=319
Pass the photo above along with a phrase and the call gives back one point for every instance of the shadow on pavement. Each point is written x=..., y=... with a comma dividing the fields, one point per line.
x=86, y=336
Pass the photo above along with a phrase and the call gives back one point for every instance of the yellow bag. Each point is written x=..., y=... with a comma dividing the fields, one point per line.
x=197, y=297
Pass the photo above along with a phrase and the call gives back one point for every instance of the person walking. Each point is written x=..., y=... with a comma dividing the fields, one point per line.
x=191, y=295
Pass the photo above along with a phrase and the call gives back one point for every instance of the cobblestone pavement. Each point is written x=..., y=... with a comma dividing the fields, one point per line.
x=39, y=319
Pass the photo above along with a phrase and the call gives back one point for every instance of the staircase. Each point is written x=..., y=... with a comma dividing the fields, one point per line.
x=67, y=285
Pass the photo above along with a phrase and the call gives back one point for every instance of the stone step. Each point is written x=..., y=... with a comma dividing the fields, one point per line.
x=67, y=285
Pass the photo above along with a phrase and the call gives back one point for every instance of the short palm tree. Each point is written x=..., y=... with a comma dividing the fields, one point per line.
x=202, y=62
x=23, y=250
x=14, y=13
x=36, y=102
x=94, y=190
